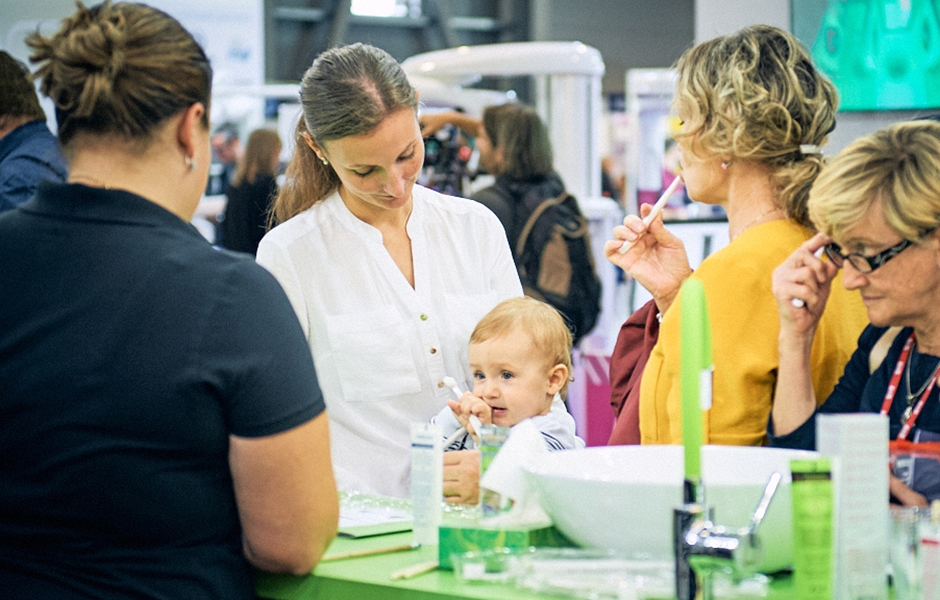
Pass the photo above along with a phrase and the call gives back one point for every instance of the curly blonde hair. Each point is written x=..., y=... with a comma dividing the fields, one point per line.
x=756, y=95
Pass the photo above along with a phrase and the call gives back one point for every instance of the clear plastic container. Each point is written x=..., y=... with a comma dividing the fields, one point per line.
x=595, y=574
x=915, y=554
x=496, y=565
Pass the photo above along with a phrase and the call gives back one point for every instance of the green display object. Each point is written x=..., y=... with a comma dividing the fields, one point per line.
x=880, y=54
x=369, y=578
x=695, y=369
x=465, y=537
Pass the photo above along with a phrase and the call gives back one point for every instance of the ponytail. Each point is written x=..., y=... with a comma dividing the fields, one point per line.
x=348, y=90
x=306, y=181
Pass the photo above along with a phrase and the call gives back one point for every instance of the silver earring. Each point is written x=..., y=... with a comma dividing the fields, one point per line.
x=191, y=163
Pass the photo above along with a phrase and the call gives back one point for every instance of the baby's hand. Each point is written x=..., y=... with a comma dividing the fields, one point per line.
x=471, y=405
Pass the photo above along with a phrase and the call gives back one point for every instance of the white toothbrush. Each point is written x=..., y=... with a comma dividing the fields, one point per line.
x=452, y=384
x=657, y=208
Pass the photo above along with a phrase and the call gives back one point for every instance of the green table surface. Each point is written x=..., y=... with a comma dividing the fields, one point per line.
x=369, y=577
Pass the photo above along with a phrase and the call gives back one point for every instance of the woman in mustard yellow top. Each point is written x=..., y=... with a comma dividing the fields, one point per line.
x=755, y=112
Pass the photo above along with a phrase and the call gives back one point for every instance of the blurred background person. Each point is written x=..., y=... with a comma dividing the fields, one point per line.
x=515, y=147
x=161, y=424
x=251, y=192
x=29, y=153
x=226, y=152
x=612, y=184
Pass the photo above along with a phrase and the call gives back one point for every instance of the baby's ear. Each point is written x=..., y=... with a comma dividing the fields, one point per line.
x=557, y=378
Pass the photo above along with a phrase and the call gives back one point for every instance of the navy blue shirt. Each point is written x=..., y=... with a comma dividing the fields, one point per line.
x=859, y=390
x=28, y=154
x=130, y=350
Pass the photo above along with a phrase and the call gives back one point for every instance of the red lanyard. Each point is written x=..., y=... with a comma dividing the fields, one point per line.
x=893, y=388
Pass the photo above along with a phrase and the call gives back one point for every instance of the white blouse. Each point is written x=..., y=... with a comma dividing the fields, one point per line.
x=382, y=348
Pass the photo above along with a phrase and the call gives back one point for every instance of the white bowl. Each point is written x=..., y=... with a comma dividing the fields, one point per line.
x=622, y=497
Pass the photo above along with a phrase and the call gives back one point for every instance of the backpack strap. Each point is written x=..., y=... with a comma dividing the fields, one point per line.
x=530, y=222
x=880, y=350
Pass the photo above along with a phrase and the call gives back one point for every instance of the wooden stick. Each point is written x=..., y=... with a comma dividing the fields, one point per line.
x=657, y=208
x=415, y=570
x=372, y=552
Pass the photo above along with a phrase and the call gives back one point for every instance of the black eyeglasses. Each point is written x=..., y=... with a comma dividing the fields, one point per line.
x=864, y=264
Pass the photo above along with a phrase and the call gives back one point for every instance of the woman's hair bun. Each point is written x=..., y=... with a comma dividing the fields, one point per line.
x=98, y=47
x=119, y=68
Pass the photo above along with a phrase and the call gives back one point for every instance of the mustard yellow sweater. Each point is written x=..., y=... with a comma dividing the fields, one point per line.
x=745, y=326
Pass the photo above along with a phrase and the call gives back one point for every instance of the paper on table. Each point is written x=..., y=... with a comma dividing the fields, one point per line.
x=365, y=522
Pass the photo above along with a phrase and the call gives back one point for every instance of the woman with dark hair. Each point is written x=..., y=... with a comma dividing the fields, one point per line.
x=515, y=148
x=251, y=192
x=387, y=277
x=755, y=112
x=161, y=425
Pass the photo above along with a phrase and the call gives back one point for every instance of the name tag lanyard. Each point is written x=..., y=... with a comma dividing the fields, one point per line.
x=910, y=415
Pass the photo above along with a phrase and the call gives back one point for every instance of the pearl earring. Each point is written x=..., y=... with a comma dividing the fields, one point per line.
x=324, y=161
x=724, y=165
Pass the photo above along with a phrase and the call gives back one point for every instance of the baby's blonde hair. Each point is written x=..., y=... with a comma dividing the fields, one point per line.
x=544, y=325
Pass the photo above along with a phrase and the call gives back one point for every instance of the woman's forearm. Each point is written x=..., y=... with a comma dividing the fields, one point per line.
x=431, y=123
x=794, y=396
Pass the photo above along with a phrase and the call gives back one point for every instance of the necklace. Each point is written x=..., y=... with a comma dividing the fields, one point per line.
x=761, y=218
x=94, y=181
x=911, y=396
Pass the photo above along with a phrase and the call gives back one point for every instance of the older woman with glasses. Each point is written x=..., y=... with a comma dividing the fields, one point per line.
x=878, y=208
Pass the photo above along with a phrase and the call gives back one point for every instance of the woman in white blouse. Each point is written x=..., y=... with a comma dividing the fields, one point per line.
x=388, y=278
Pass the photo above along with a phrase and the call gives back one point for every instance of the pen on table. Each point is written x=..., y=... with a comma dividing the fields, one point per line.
x=372, y=552
x=415, y=570
x=657, y=208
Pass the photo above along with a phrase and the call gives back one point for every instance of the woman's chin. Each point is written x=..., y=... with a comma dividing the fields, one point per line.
x=881, y=319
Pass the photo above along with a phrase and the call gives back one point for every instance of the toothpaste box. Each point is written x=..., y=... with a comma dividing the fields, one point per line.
x=460, y=537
